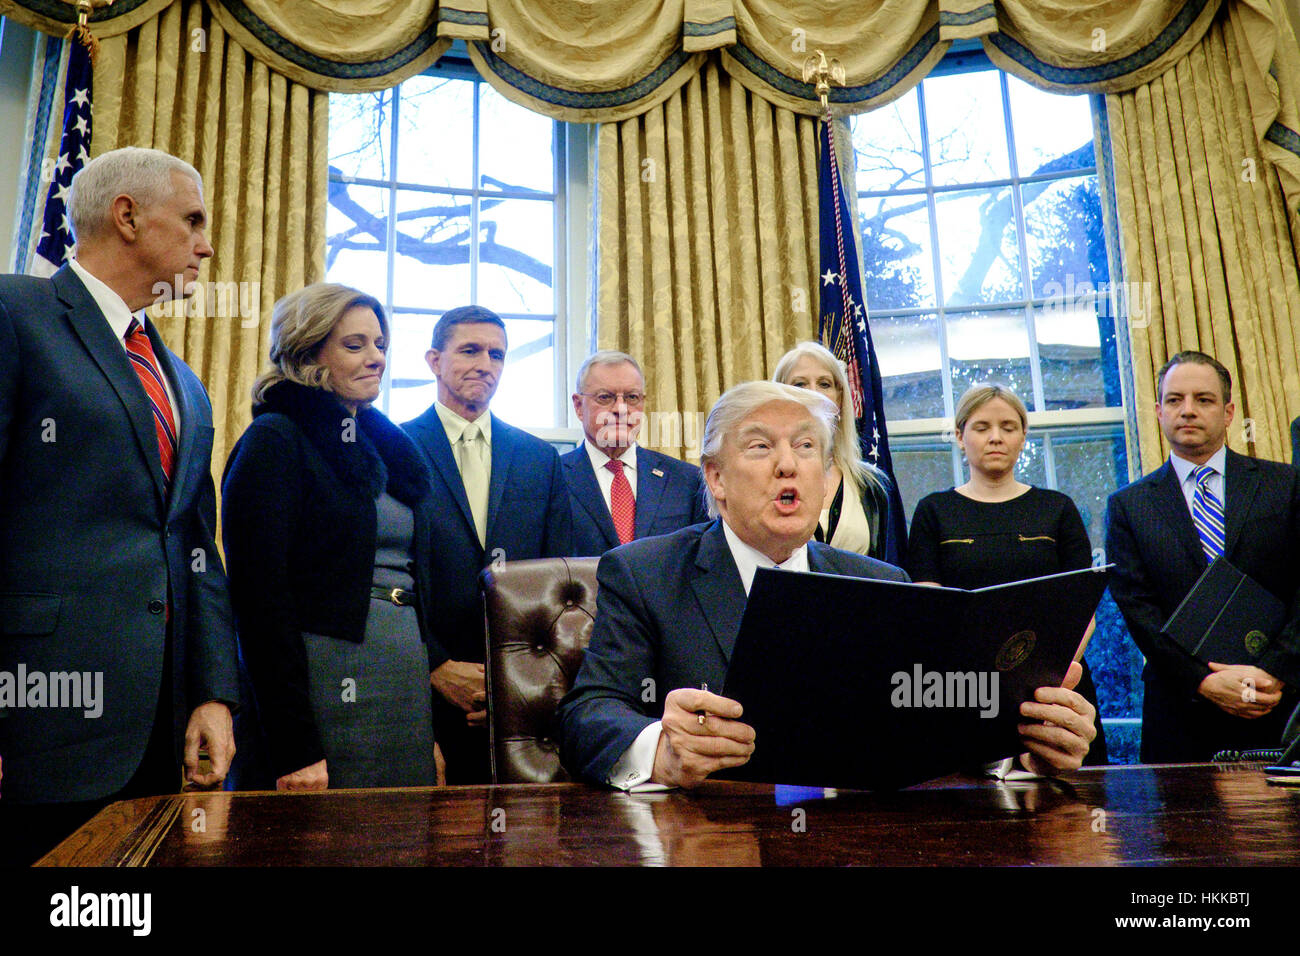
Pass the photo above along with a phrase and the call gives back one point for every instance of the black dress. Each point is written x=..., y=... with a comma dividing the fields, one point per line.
x=962, y=543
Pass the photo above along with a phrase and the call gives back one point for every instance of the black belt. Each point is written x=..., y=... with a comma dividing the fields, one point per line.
x=398, y=596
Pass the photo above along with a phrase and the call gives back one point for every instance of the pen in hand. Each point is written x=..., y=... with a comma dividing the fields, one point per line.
x=699, y=714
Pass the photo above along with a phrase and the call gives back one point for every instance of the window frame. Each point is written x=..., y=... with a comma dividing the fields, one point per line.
x=572, y=335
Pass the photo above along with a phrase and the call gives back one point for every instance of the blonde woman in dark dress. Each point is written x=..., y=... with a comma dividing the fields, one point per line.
x=995, y=529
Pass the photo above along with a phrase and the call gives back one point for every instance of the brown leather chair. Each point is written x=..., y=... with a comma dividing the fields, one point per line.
x=539, y=619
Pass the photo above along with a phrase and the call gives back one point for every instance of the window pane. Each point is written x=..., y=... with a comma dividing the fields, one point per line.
x=887, y=144
x=978, y=252
x=356, y=228
x=911, y=371
x=1064, y=235
x=411, y=337
x=1076, y=371
x=990, y=347
x=525, y=396
x=1053, y=132
x=360, y=134
x=967, y=130
x=517, y=255
x=431, y=269
x=516, y=145
x=436, y=138
x=1089, y=467
x=896, y=253
x=921, y=466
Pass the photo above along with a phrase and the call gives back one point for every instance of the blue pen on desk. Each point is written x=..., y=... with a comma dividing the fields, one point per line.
x=699, y=714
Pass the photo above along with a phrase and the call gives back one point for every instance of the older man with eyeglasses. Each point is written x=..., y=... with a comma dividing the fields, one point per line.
x=618, y=490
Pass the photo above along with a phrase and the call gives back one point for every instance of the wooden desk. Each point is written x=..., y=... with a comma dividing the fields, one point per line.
x=1194, y=814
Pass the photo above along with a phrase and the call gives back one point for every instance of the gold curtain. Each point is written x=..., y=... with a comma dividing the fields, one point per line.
x=707, y=232
x=1208, y=250
x=179, y=83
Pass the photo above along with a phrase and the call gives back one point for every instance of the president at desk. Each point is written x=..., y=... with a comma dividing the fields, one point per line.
x=668, y=609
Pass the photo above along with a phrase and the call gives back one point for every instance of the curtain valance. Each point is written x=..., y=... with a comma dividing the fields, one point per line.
x=601, y=61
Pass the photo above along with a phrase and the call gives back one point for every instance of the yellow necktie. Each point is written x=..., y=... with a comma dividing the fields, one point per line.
x=474, y=474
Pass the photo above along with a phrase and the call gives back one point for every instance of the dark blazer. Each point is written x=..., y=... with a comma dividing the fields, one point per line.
x=667, y=609
x=669, y=496
x=1295, y=442
x=1157, y=555
x=93, y=549
x=299, y=528
x=528, y=517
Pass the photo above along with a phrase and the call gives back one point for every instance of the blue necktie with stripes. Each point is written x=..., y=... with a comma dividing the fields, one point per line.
x=1207, y=513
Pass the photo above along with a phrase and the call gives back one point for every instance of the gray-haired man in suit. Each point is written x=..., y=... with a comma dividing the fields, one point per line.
x=111, y=586
x=668, y=609
x=620, y=491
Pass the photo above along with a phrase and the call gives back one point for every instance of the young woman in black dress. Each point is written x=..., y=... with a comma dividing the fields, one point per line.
x=995, y=529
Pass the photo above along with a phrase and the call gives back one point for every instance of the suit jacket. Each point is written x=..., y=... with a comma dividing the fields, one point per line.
x=528, y=517
x=93, y=549
x=665, y=502
x=1158, y=557
x=668, y=609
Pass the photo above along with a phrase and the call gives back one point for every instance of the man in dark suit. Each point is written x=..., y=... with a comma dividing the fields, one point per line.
x=1164, y=529
x=109, y=575
x=619, y=490
x=502, y=498
x=668, y=609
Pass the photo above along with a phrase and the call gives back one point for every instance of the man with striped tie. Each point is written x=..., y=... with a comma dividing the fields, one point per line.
x=111, y=587
x=1165, y=529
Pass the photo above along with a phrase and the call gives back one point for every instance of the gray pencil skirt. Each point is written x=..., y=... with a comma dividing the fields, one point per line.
x=371, y=702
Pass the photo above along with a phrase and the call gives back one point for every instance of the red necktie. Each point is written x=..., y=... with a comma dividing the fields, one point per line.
x=622, y=506
x=145, y=364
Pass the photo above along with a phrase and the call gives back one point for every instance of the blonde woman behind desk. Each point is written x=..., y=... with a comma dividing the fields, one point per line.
x=995, y=529
x=857, y=494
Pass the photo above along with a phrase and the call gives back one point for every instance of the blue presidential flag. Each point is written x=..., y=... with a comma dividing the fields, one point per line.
x=843, y=329
x=55, y=244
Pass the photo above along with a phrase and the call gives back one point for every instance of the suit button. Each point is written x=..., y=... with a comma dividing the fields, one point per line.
x=156, y=607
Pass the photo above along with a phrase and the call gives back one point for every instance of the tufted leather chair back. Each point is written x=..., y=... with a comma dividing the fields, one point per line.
x=539, y=619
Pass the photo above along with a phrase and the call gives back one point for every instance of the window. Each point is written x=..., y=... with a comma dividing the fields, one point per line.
x=443, y=193
x=985, y=259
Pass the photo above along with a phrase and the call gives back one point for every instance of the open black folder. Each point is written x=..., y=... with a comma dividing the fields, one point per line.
x=859, y=683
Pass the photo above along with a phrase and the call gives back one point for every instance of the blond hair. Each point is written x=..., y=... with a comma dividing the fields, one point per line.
x=846, y=450
x=977, y=396
x=300, y=323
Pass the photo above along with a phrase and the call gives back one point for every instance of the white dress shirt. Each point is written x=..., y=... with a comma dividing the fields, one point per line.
x=633, y=769
x=1218, y=482
x=605, y=477
x=119, y=318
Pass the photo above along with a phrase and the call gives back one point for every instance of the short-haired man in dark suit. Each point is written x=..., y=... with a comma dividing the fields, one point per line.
x=1162, y=532
x=668, y=609
x=109, y=575
x=618, y=489
x=503, y=499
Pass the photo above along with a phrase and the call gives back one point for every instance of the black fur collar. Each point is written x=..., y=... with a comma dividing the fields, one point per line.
x=379, y=456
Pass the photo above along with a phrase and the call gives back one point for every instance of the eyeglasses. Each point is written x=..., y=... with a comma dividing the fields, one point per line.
x=607, y=399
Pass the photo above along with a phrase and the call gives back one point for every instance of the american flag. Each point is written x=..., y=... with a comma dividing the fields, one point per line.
x=55, y=244
x=843, y=329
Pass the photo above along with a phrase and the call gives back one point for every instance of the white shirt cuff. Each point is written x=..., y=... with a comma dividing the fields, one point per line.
x=633, y=770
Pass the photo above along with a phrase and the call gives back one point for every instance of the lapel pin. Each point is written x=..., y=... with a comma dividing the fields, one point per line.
x=656, y=472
